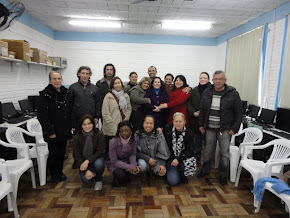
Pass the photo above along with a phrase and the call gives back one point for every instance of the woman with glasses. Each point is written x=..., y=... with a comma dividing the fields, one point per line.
x=53, y=113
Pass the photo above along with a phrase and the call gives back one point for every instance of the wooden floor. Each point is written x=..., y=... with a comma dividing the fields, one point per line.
x=150, y=198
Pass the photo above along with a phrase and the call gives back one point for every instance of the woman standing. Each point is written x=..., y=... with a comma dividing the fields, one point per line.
x=122, y=154
x=157, y=95
x=133, y=77
x=193, y=111
x=116, y=107
x=137, y=98
x=177, y=99
x=180, y=142
x=54, y=116
x=152, y=148
x=89, y=151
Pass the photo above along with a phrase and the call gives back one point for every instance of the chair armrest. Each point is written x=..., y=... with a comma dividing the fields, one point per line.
x=252, y=147
x=270, y=164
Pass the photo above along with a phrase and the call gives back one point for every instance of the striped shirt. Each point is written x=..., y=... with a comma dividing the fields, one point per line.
x=214, y=114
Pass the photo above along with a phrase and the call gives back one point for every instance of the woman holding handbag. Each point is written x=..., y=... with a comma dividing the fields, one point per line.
x=116, y=108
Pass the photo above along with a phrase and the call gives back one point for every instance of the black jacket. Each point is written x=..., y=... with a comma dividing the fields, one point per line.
x=231, y=109
x=103, y=88
x=53, y=113
x=188, y=143
x=85, y=99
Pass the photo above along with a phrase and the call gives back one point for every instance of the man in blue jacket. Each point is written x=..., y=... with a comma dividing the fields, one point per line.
x=220, y=118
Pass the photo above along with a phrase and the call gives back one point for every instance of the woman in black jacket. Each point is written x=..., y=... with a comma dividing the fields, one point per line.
x=89, y=151
x=180, y=141
x=54, y=116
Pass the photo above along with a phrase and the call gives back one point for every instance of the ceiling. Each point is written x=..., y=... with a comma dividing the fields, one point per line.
x=146, y=17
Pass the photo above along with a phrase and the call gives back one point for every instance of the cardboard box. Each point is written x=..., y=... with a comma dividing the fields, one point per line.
x=40, y=56
x=3, y=48
x=20, y=47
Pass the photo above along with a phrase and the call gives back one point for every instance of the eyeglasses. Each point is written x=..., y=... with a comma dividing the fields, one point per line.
x=218, y=79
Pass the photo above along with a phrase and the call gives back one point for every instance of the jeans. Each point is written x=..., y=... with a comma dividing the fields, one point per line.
x=98, y=166
x=143, y=165
x=174, y=174
x=56, y=156
x=199, y=138
x=224, y=139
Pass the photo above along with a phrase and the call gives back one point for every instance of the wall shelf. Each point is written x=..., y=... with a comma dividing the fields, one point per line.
x=12, y=60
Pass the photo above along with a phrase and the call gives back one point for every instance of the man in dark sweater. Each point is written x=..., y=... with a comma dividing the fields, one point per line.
x=85, y=99
x=104, y=83
x=220, y=118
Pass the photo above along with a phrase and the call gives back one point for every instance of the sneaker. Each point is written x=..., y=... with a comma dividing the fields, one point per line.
x=98, y=186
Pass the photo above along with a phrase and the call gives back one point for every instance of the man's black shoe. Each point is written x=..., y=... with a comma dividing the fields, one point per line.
x=201, y=174
x=184, y=180
x=74, y=166
x=62, y=177
x=55, y=178
x=223, y=180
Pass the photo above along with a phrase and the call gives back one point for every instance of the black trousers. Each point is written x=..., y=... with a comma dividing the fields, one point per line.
x=56, y=156
x=121, y=177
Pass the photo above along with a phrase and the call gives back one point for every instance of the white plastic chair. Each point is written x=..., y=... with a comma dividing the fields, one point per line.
x=17, y=167
x=6, y=187
x=274, y=165
x=253, y=136
x=217, y=150
x=284, y=197
x=34, y=127
x=38, y=151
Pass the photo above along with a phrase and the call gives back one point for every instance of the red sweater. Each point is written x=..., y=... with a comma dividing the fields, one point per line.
x=177, y=103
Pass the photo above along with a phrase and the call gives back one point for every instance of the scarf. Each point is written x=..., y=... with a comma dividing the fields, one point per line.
x=156, y=91
x=122, y=100
x=177, y=145
x=201, y=88
x=88, y=147
x=125, y=141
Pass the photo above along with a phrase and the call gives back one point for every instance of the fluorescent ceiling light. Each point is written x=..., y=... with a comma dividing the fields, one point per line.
x=90, y=23
x=186, y=25
x=93, y=18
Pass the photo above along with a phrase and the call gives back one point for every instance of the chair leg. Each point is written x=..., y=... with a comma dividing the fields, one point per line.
x=234, y=163
x=258, y=205
x=238, y=176
x=14, y=205
x=14, y=179
x=41, y=162
x=32, y=177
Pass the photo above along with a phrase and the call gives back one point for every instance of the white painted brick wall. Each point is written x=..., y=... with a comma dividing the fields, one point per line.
x=272, y=64
x=127, y=57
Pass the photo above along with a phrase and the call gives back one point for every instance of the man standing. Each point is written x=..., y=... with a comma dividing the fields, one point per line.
x=85, y=97
x=104, y=83
x=152, y=71
x=220, y=118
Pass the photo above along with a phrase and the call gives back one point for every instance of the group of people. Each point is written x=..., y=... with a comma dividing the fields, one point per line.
x=150, y=127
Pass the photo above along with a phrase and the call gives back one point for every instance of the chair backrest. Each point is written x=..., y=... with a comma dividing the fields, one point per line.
x=252, y=135
x=281, y=149
x=34, y=126
x=14, y=135
x=3, y=172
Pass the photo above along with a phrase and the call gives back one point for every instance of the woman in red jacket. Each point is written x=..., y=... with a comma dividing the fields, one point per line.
x=177, y=99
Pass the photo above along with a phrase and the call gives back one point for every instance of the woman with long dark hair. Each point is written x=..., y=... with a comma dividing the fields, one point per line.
x=116, y=108
x=177, y=99
x=89, y=151
x=157, y=96
x=122, y=154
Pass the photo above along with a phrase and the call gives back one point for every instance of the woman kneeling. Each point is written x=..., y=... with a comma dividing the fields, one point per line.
x=89, y=151
x=122, y=154
x=180, y=141
x=152, y=148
